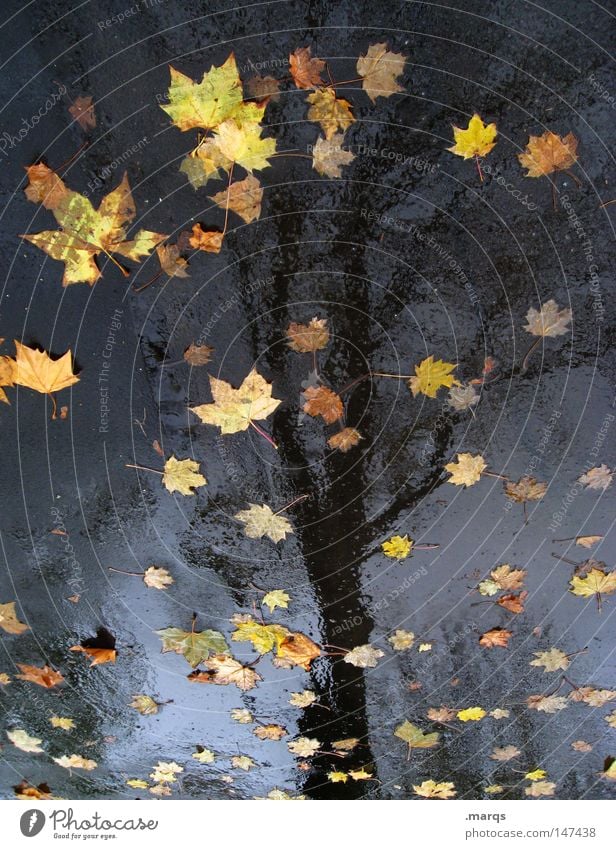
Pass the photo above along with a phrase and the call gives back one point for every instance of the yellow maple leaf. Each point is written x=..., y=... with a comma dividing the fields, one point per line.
x=144, y=704
x=264, y=638
x=547, y=153
x=476, y=140
x=536, y=775
x=435, y=789
x=36, y=370
x=244, y=145
x=472, y=714
x=208, y=103
x=9, y=621
x=233, y=410
x=7, y=376
x=243, y=197
x=337, y=776
x=86, y=232
x=430, y=375
x=276, y=598
x=414, y=737
x=331, y=112
x=182, y=475
x=379, y=69
x=76, y=762
x=398, y=547
x=467, y=470
x=63, y=722
x=260, y=521
x=596, y=582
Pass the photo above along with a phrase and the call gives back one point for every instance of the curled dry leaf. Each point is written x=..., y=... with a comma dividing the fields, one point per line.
x=331, y=112
x=233, y=410
x=363, y=656
x=244, y=197
x=321, y=401
x=44, y=676
x=182, y=476
x=305, y=69
x=547, y=704
x=430, y=375
x=261, y=521
x=600, y=477
x=198, y=355
x=345, y=439
x=22, y=740
x=549, y=321
x=548, y=153
x=305, y=338
x=379, y=69
x=329, y=156
x=466, y=470
x=157, y=578
x=9, y=621
x=496, y=637
x=477, y=139
x=171, y=261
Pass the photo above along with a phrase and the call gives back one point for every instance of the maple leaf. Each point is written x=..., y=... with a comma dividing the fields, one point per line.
x=228, y=670
x=477, y=139
x=424, y=647
x=345, y=439
x=196, y=646
x=398, y=547
x=379, y=69
x=328, y=156
x=331, y=112
x=305, y=69
x=22, y=740
x=296, y=648
x=269, y=732
x=504, y=753
x=206, y=104
x=204, y=163
x=171, y=261
x=414, y=737
x=182, y=475
x=303, y=700
x=9, y=621
x=76, y=762
x=276, y=598
x=209, y=241
x=63, y=722
x=157, y=578
x=598, y=478
x=242, y=762
x=305, y=338
x=233, y=410
x=547, y=704
x=36, y=370
x=203, y=755
x=549, y=321
x=87, y=232
x=166, y=771
x=493, y=789
x=507, y=578
x=472, y=714
x=540, y=788
x=495, y=637
x=588, y=541
x=435, y=789
x=360, y=774
x=242, y=715
x=44, y=676
x=548, y=153
x=467, y=470
x=260, y=521
x=243, y=197
x=336, y=776
x=82, y=111
x=305, y=747
x=526, y=489
x=243, y=144
x=462, y=397
x=499, y=713
x=441, y=714
x=401, y=639
x=346, y=745
x=198, y=355
x=137, y=783
x=263, y=88
x=536, y=775
x=430, y=375
x=597, y=582
x=611, y=719
x=264, y=638
x=97, y=655
x=581, y=746
x=551, y=660
x=7, y=376
x=363, y=656
x=145, y=705
x=513, y=602
x=609, y=769
x=321, y=401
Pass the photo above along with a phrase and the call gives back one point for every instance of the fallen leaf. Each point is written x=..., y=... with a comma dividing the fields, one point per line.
x=398, y=547
x=261, y=521
x=462, y=397
x=7, y=376
x=598, y=478
x=346, y=745
x=329, y=156
x=305, y=747
x=331, y=112
x=23, y=790
x=513, y=602
x=264, y=638
x=611, y=719
x=588, y=541
x=137, y=783
x=467, y=470
x=592, y=696
x=441, y=714
x=171, y=261
x=499, y=713
x=86, y=232
x=298, y=649
x=401, y=639
x=609, y=769
x=414, y=737
x=430, y=375
x=493, y=789
x=476, y=140
x=472, y=714
x=242, y=762
x=548, y=153
x=22, y=740
x=276, y=598
x=198, y=355
x=536, y=775
x=166, y=771
x=160, y=790
x=263, y=88
x=97, y=655
x=228, y=670
x=337, y=776
x=9, y=621
x=507, y=578
x=233, y=410
x=305, y=338
x=44, y=676
x=82, y=111
x=321, y=401
x=204, y=163
x=551, y=660
x=36, y=370
x=204, y=756
x=182, y=476
x=526, y=489
x=196, y=646
x=305, y=69
x=157, y=578
x=505, y=753
x=345, y=439
x=303, y=700
x=242, y=715
x=581, y=746
x=269, y=732
x=243, y=144
x=145, y=705
x=76, y=762
x=4, y=679
x=495, y=637
x=244, y=197
x=424, y=647
x=596, y=582
x=363, y=656
x=547, y=704
x=549, y=321
x=63, y=722
x=540, y=788
x=435, y=789
x=379, y=69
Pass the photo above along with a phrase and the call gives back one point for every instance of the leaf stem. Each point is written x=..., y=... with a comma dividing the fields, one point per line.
x=494, y=475
x=122, y=572
x=528, y=353
x=224, y=229
x=149, y=283
x=478, y=164
x=55, y=405
x=291, y=503
x=263, y=434
x=143, y=468
x=565, y=559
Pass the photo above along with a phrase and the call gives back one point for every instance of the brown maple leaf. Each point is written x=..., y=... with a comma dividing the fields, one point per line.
x=205, y=240
x=321, y=401
x=98, y=655
x=305, y=70
x=548, y=153
x=263, y=88
x=198, y=355
x=513, y=602
x=171, y=261
x=82, y=110
x=44, y=676
x=526, y=489
x=441, y=714
x=305, y=338
x=495, y=637
x=346, y=439
x=298, y=649
x=243, y=197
